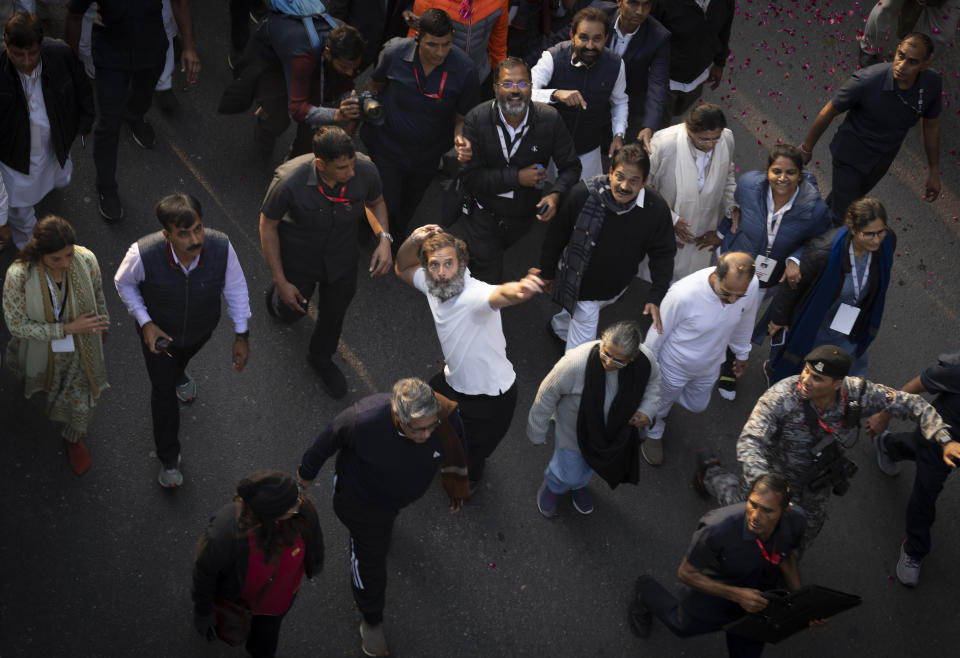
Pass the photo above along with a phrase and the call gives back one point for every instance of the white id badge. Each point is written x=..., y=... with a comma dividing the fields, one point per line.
x=845, y=318
x=765, y=267
x=62, y=344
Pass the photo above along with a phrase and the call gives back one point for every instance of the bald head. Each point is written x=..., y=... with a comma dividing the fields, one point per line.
x=732, y=277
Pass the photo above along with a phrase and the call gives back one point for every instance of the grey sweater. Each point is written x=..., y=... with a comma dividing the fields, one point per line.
x=560, y=393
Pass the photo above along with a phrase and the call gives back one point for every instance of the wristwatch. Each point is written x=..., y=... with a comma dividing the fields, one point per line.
x=384, y=234
x=245, y=335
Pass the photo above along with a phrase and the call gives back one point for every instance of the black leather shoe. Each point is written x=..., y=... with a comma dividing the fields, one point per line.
x=143, y=133
x=110, y=207
x=705, y=459
x=639, y=617
x=331, y=376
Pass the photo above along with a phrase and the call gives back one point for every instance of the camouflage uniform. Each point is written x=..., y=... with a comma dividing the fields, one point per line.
x=776, y=439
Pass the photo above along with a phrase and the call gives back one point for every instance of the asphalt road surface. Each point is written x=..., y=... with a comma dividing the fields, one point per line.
x=100, y=565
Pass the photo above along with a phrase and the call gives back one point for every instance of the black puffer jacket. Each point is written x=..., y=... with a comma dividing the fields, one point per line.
x=68, y=98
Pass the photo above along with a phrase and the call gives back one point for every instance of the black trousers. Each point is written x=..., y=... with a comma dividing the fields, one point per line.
x=488, y=236
x=371, y=528
x=668, y=609
x=264, y=635
x=239, y=24
x=165, y=373
x=486, y=419
x=849, y=184
x=333, y=299
x=120, y=95
x=678, y=102
x=927, y=485
x=404, y=185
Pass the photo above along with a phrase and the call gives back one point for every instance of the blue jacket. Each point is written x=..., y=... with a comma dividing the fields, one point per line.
x=808, y=218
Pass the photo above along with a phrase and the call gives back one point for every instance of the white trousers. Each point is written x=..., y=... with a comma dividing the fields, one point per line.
x=21, y=222
x=582, y=326
x=693, y=393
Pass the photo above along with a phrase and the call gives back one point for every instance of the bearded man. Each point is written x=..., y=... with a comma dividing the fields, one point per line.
x=466, y=312
x=505, y=147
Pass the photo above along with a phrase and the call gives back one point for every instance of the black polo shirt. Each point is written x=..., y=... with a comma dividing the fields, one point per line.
x=724, y=549
x=880, y=114
x=420, y=109
x=318, y=225
x=128, y=35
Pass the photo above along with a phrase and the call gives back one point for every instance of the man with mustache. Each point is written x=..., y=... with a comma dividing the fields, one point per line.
x=605, y=227
x=588, y=84
x=171, y=282
x=799, y=417
x=505, y=148
x=466, y=312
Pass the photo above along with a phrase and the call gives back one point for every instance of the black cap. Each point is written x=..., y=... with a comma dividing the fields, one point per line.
x=269, y=494
x=829, y=360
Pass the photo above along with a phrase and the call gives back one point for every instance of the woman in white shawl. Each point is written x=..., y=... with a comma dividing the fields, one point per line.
x=691, y=166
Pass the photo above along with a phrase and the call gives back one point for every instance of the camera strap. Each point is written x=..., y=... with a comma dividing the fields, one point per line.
x=852, y=413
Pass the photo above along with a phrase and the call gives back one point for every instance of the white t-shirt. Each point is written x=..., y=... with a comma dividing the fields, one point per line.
x=471, y=337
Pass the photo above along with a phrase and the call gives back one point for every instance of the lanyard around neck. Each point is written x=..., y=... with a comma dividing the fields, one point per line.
x=340, y=198
x=775, y=558
x=515, y=144
x=860, y=284
x=54, y=299
x=443, y=83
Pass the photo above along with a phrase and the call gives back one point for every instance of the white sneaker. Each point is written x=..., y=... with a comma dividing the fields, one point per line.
x=170, y=477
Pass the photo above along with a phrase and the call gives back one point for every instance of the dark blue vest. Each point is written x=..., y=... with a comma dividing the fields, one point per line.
x=186, y=307
x=595, y=84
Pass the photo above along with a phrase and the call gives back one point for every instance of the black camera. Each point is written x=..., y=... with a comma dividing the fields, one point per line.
x=831, y=467
x=371, y=110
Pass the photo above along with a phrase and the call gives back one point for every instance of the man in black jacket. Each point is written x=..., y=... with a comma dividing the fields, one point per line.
x=47, y=102
x=506, y=145
x=699, y=46
x=644, y=45
x=389, y=448
x=604, y=228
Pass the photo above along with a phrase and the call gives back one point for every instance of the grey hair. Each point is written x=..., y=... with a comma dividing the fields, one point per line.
x=413, y=398
x=624, y=335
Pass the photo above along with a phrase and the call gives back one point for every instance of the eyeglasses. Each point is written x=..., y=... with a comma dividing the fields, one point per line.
x=870, y=235
x=410, y=429
x=519, y=85
x=705, y=140
x=616, y=363
x=728, y=295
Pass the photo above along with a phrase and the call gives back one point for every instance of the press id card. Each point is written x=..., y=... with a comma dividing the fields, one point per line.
x=845, y=318
x=765, y=267
x=64, y=344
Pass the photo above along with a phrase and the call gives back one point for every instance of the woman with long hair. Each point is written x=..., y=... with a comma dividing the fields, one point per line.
x=839, y=300
x=55, y=310
x=254, y=554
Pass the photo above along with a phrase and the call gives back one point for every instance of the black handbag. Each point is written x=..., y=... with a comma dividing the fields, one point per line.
x=233, y=617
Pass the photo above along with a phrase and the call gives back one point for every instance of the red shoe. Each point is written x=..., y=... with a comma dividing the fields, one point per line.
x=79, y=457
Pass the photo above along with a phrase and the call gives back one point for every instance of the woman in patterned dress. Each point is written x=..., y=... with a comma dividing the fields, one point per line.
x=54, y=307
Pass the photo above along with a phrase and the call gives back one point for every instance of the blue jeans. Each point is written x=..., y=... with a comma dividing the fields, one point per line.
x=567, y=470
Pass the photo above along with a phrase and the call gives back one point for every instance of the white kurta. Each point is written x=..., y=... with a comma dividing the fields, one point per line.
x=698, y=327
x=26, y=190
x=702, y=206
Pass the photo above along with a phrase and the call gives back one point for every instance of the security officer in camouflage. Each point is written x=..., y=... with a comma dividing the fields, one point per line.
x=801, y=428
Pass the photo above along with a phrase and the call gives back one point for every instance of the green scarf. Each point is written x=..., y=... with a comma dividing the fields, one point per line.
x=34, y=357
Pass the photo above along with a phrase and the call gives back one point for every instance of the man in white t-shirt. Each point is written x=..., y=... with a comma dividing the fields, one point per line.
x=466, y=313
